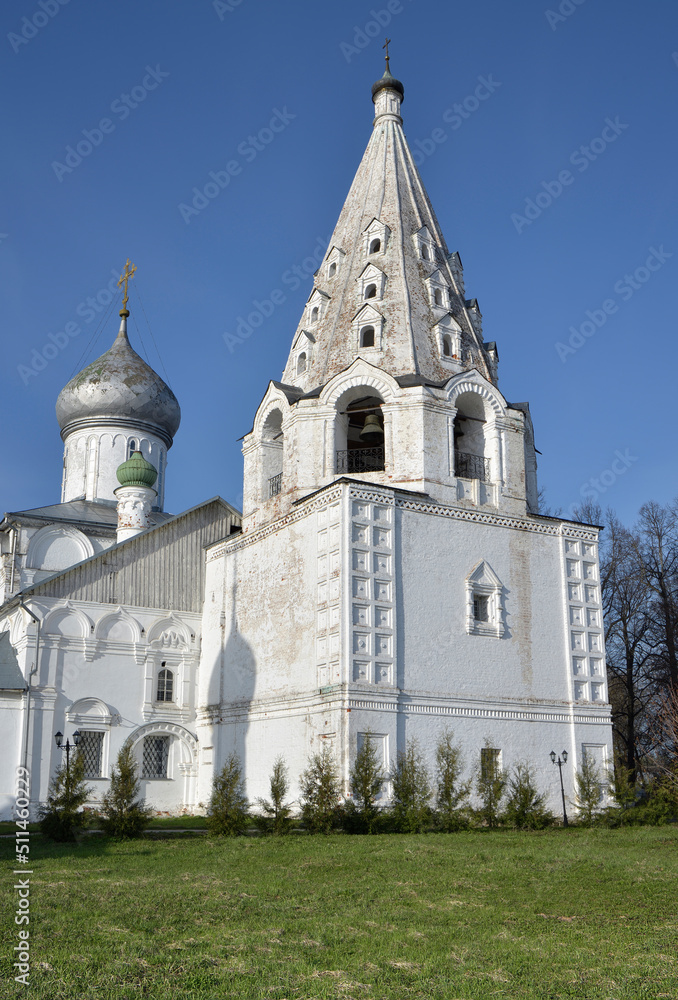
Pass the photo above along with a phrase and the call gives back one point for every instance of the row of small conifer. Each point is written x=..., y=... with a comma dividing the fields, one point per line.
x=418, y=801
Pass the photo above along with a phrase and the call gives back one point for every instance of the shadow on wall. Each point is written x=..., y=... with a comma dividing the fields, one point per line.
x=236, y=669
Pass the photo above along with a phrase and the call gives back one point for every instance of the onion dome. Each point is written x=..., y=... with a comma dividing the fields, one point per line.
x=119, y=388
x=136, y=471
x=388, y=80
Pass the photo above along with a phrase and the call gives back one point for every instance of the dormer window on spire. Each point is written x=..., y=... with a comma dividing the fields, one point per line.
x=372, y=283
x=368, y=327
x=376, y=237
x=316, y=305
x=425, y=245
x=333, y=262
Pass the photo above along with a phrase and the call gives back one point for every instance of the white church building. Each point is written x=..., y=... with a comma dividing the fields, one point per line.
x=390, y=572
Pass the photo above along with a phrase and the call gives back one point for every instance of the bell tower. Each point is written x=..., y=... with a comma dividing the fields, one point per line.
x=388, y=379
x=393, y=574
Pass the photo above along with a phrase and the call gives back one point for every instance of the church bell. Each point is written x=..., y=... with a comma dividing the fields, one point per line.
x=372, y=432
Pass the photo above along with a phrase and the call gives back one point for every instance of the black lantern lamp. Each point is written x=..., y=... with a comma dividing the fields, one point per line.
x=67, y=746
x=560, y=761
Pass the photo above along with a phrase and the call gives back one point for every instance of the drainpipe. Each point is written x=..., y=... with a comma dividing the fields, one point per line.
x=31, y=674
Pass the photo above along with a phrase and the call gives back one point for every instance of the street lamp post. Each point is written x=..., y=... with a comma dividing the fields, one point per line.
x=560, y=763
x=67, y=746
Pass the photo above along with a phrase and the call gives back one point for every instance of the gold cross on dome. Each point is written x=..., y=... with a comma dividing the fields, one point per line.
x=129, y=272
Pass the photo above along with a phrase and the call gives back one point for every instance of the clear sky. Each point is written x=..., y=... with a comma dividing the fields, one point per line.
x=552, y=169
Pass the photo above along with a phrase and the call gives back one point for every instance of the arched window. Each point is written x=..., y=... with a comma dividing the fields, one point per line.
x=165, y=690
x=447, y=346
x=424, y=251
x=314, y=314
x=470, y=460
x=438, y=297
x=370, y=291
x=375, y=246
x=132, y=446
x=367, y=336
x=272, y=455
x=301, y=363
x=360, y=444
x=332, y=270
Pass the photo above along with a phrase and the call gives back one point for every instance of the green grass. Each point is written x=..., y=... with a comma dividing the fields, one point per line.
x=560, y=914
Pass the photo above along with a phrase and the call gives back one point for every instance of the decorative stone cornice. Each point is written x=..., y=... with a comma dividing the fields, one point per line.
x=389, y=495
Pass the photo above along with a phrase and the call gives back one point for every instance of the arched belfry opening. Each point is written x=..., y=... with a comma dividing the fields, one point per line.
x=360, y=433
x=272, y=441
x=471, y=459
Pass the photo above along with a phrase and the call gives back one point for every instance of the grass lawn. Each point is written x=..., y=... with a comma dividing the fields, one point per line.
x=565, y=913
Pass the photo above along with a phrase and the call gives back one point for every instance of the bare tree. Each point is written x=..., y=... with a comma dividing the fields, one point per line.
x=658, y=553
x=628, y=640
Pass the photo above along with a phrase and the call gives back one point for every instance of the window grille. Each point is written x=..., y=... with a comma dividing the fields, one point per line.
x=165, y=686
x=275, y=485
x=91, y=748
x=490, y=760
x=155, y=754
x=481, y=608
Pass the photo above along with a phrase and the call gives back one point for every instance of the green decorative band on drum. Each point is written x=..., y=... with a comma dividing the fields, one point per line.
x=136, y=471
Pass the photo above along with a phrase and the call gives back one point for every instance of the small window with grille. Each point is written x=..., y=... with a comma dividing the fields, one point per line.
x=91, y=748
x=155, y=756
x=490, y=763
x=481, y=608
x=165, y=690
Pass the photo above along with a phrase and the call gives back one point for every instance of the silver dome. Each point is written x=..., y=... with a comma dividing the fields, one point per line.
x=119, y=387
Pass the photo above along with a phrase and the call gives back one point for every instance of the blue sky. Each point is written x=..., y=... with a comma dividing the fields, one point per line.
x=558, y=189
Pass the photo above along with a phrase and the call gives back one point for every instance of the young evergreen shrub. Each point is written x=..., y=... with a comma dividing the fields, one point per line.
x=320, y=792
x=367, y=777
x=587, y=786
x=453, y=793
x=62, y=818
x=123, y=814
x=411, y=791
x=490, y=785
x=660, y=804
x=227, y=811
x=525, y=806
x=275, y=815
x=625, y=795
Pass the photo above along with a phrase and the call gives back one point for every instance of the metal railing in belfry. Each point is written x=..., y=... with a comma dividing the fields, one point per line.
x=361, y=460
x=471, y=466
x=275, y=485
